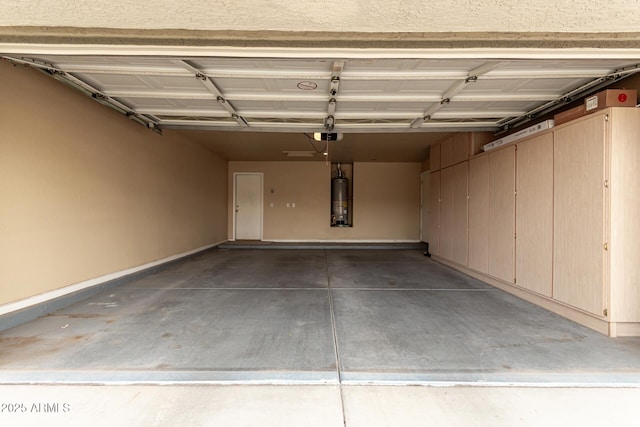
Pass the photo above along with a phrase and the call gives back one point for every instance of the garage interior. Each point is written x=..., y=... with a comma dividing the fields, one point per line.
x=126, y=258
x=87, y=180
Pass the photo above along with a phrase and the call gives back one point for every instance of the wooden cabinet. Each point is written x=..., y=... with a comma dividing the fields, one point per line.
x=446, y=213
x=457, y=148
x=479, y=214
x=502, y=214
x=579, y=162
x=460, y=235
x=571, y=195
x=461, y=147
x=434, y=213
x=623, y=249
x=596, y=217
x=453, y=219
x=534, y=214
x=434, y=157
x=446, y=152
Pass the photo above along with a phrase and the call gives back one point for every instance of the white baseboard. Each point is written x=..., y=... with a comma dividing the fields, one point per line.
x=339, y=241
x=57, y=293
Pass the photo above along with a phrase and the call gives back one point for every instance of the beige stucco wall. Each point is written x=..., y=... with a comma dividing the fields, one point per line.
x=85, y=192
x=446, y=16
x=386, y=201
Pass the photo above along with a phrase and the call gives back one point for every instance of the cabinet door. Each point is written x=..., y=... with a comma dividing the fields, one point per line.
x=461, y=146
x=534, y=214
x=446, y=213
x=460, y=213
x=434, y=157
x=479, y=214
x=446, y=152
x=502, y=204
x=434, y=213
x=578, y=217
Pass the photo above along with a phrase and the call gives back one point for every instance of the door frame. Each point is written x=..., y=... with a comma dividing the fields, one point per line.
x=261, y=206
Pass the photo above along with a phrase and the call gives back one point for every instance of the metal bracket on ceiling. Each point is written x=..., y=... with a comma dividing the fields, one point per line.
x=582, y=91
x=329, y=123
x=456, y=88
x=211, y=87
x=89, y=90
x=334, y=88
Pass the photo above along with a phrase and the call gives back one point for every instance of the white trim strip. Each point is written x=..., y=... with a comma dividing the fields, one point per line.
x=57, y=293
x=306, y=53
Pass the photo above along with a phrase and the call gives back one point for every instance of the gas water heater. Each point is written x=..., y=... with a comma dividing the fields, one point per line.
x=339, y=199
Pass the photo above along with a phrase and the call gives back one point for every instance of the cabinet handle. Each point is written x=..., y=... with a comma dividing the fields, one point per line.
x=606, y=246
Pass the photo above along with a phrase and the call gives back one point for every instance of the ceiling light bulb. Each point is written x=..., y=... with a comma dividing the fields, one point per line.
x=317, y=136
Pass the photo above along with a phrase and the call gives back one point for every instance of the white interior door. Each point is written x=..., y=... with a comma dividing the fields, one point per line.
x=248, y=207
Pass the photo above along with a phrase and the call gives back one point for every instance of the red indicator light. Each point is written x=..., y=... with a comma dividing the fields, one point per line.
x=622, y=97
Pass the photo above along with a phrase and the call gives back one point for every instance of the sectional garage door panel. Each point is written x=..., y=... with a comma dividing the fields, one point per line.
x=296, y=90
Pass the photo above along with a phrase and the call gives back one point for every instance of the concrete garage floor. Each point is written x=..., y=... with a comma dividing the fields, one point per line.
x=328, y=323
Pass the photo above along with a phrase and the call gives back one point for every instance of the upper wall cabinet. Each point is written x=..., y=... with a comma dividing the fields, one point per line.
x=434, y=157
x=457, y=148
x=461, y=147
x=446, y=152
